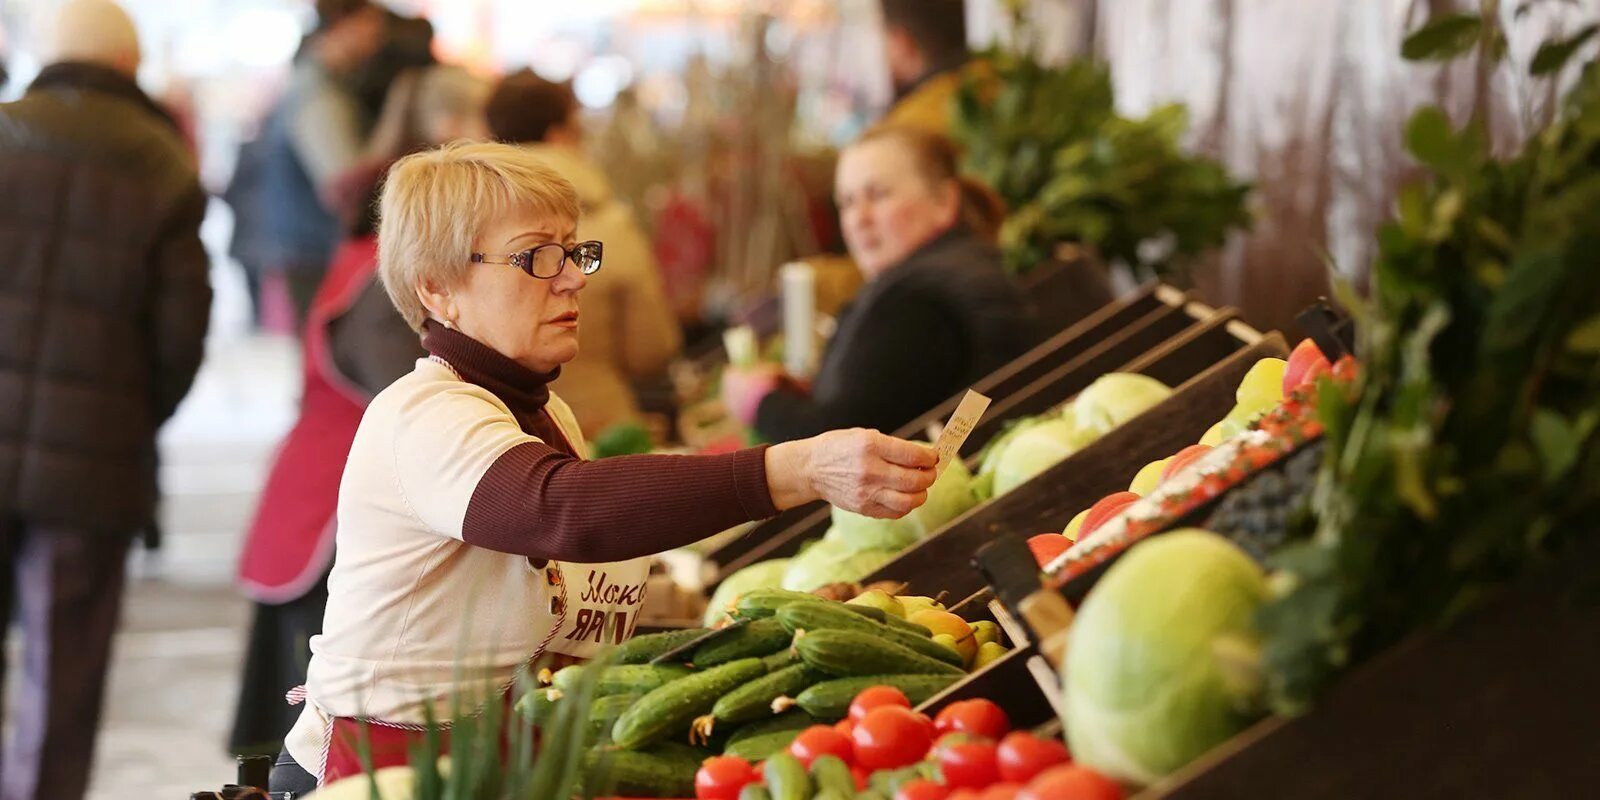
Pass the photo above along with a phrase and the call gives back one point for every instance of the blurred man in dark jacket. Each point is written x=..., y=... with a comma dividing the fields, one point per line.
x=104, y=302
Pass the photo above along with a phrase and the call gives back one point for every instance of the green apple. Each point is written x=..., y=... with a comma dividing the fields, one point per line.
x=1145, y=482
x=1075, y=525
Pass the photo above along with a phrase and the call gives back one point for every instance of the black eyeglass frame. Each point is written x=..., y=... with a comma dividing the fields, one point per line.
x=525, y=259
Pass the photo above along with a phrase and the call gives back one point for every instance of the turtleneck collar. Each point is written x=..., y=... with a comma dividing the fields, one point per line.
x=522, y=389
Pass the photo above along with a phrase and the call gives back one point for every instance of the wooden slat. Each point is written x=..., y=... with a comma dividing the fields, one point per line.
x=1007, y=682
x=1048, y=502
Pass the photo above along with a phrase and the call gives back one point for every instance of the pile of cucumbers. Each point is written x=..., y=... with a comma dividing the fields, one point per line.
x=792, y=660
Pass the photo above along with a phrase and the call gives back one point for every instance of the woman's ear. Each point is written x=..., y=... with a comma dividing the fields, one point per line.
x=439, y=302
x=950, y=200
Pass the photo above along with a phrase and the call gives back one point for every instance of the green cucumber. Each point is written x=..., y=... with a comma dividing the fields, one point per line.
x=830, y=700
x=604, y=713
x=786, y=777
x=792, y=720
x=786, y=657
x=762, y=637
x=832, y=794
x=846, y=653
x=539, y=704
x=642, y=649
x=762, y=747
x=568, y=678
x=753, y=701
x=831, y=774
x=754, y=791
x=820, y=616
x=669, y=709
x=879, y=615
x=639, y=773
x=762, y=603
x=638, y=678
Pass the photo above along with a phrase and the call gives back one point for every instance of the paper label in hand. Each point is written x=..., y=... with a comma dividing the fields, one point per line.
x=960, y=426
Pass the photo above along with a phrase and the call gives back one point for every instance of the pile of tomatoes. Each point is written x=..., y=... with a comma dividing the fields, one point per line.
x=967, y=752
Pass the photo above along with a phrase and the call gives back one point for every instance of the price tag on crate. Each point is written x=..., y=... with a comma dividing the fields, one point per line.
x=960, y=426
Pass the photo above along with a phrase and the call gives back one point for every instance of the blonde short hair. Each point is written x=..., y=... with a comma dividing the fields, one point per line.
x=436, y=202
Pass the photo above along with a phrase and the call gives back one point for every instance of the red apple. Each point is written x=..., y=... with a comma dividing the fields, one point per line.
x=1306, y=364
x=1184, y=458
x=1108, y=507
x=1046, y=546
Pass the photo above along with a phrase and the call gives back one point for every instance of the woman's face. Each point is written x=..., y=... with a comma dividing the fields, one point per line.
x=529, y=320
x=886, y=209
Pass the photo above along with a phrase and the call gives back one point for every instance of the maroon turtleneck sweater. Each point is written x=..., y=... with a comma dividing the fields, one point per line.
x=541, y=501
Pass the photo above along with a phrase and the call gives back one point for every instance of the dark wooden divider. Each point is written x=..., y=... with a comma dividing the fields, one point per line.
x=942, y=562
x=1192, y=330
x=1148, y=303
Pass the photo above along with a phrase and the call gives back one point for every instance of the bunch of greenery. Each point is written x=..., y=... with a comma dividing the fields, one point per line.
x=1469, y=449
x=1072, y=170
x=492, y=753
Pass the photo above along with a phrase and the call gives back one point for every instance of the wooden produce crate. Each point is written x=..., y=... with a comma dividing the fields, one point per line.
x=1189, y=336
x=1216, y=358
x=1013, y=377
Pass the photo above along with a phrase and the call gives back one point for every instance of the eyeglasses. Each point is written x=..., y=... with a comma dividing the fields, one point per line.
x=547, y=260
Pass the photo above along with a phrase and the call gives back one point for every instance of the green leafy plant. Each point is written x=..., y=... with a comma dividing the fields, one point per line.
x=1071, y=169
x=1469, y=449
x=492, y=752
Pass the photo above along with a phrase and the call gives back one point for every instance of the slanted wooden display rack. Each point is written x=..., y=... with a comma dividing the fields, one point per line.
x=1171, y=344
x=1152, y=308
x=1049, y=501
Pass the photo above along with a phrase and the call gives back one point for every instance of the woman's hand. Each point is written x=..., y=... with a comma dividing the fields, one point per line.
x=857, y=470
x=744, y=388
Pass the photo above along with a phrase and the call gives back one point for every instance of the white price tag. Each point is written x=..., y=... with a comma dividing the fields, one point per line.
x=960, y=426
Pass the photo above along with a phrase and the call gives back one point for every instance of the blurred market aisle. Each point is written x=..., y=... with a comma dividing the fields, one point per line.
x=176, y=663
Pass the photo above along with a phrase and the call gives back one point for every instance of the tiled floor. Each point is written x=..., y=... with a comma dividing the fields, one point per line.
x=177, y=657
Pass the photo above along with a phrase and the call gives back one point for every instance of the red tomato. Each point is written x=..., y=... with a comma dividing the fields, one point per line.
x=1108, y=507
x=1046, y=546
x=722, y=777
x=978, y=717
x=1001, y=791
x=875, y=696
x=820, y=740
x=971, y=765
x=964, y=794
x=845, y=727
x=862, y=776
x=922, y=789
x=1022, y=755
x=1071, y=782
x=1182, y=459
x=890, y=737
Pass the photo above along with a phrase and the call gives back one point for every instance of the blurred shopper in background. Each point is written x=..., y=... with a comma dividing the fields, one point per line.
x=318, y=131
x=105, y=299
x=926, y=45
x=427, y=107
x=355, y=344
x=938, y=310
x=629, y=331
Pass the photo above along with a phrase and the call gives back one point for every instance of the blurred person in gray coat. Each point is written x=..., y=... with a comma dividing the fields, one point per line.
x=104, y=303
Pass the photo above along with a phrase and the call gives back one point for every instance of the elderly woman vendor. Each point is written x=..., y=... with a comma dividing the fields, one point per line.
x=472, y=535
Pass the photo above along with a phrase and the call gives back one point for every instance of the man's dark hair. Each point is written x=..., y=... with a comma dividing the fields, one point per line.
x=939, y=27
x=524, y=107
